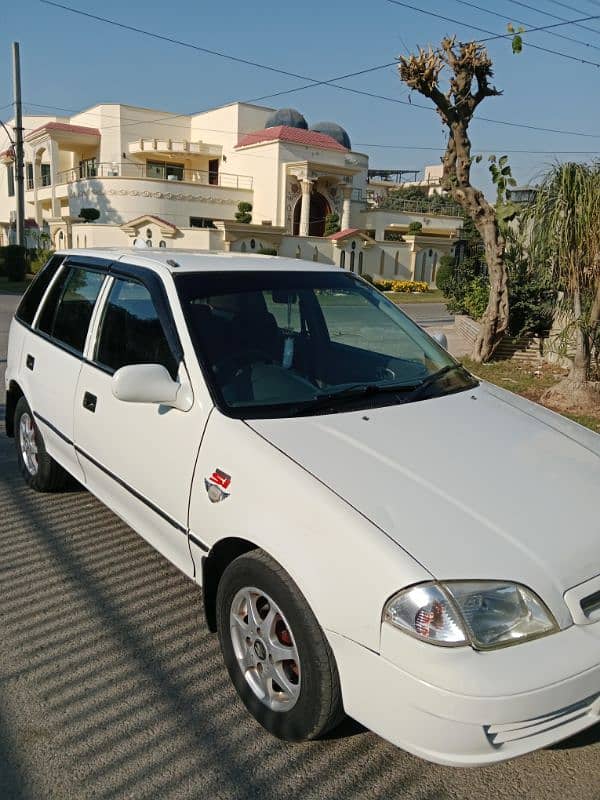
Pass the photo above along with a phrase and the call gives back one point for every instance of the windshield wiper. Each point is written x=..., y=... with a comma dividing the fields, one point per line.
x=420, y=388
x=351, y=393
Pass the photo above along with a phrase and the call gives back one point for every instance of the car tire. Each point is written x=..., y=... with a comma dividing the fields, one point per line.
x=295, y=698
x=39, y=470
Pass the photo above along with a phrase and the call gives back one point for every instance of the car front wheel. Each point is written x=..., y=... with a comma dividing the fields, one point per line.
x=275, y=651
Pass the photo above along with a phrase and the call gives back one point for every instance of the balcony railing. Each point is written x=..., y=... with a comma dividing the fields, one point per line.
x=128, y=169
x=381, y=200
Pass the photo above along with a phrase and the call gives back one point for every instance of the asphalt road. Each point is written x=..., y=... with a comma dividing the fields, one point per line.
x=111, y=686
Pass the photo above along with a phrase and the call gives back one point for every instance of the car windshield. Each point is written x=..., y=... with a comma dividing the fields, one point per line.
x=285, y=343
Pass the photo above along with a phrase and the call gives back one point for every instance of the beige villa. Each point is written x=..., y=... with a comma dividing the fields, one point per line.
x=175, y=181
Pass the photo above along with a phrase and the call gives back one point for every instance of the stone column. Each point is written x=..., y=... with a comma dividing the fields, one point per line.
x=306, y=186
x=413, y=263
x=347, y=194
x=53, y=151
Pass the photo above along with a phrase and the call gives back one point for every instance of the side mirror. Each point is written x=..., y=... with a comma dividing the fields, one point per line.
x=150, y=383
x=440, y=338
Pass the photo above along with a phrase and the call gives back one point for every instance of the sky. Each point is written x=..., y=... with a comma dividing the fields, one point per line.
x=72, y=62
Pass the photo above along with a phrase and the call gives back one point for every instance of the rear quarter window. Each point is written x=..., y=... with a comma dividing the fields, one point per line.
x=68, y=308
x=31, y=299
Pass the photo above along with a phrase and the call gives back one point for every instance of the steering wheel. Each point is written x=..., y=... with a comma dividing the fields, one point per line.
x=227, y=367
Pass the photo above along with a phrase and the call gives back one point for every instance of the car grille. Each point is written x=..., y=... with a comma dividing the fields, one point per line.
x=513, y=731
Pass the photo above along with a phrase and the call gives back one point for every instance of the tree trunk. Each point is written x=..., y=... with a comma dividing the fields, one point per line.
x=457, y=179
x=494, y=323
x=580, y=366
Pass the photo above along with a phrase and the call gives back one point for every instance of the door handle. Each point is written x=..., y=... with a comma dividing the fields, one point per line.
x=89, y=402
x=30, y=361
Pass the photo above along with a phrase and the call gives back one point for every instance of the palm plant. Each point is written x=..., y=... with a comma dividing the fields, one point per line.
x=564, y=221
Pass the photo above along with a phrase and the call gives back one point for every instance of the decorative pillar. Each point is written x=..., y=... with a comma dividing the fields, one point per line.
x=306, y=185
x=347, y=194
x=413, y=263
x=37, y=182
x=54, y=154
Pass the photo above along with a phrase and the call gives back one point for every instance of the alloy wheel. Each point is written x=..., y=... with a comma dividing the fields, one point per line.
x=265, y=649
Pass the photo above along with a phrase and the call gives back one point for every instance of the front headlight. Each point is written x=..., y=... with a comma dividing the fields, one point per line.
x=485, y=614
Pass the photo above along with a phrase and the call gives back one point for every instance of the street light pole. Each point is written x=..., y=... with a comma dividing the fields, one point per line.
x=18, y=129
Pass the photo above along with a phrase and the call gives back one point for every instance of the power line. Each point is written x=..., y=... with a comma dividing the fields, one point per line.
x=331, y=81
x=479, y=150
x=357, y=144
x=208, y=51
x=555, y=16
x=574, y=10
x=522, y=22
x=485, y=30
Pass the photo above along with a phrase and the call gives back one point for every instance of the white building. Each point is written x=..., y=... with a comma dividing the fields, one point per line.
x=176, y=181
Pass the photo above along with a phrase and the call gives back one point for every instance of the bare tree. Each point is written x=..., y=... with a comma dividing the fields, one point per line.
x=469, y=84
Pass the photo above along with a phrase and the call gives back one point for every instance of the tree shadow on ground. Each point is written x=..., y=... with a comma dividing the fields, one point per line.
x=114, y=642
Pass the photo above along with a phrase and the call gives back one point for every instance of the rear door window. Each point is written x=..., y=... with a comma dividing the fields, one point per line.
x=131, y=331
x=68, y=308
x=33, y=296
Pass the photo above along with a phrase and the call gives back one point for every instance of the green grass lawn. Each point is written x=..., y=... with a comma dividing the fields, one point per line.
x=529, y=382
x=14, y=287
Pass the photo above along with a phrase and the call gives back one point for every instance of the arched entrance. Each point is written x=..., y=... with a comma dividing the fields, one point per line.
x=319, y=208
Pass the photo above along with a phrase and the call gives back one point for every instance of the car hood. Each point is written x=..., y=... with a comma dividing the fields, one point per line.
x=479, y=484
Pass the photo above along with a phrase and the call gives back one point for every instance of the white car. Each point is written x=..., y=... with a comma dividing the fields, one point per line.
x=376, y=532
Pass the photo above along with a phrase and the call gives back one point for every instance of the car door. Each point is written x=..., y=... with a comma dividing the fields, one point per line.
x=138, y=457
x=53, y=354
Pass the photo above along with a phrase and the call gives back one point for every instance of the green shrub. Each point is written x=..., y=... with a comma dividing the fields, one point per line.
x=368, y=279
x=267, y=251
x=39, y=260
x=476, y=297
x=415, y=227
x=15, y=263
x=243, y=213
x=332, y=224
x=444, y=276
x=89, y=214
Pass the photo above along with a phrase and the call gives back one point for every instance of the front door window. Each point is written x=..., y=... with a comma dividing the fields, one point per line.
x=164, y=171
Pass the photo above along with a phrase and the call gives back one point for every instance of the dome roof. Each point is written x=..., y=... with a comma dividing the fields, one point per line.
x=335, y=131
x=288, y=117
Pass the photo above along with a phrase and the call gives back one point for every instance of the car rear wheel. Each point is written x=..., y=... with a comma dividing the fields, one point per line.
x=275, y=651
x=40, y=471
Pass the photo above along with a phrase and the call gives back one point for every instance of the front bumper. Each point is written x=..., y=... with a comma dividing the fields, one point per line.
x=458, y=707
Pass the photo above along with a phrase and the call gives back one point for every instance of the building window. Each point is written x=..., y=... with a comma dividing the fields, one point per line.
x=343, y=259
x=164, y=170
x=10, y=179
x=87, y=168
x=397, y=263
x=382, y=263
x=29, y=175
x=201, y=222
x=352, y=254
x=360, y=263
x=45, y=174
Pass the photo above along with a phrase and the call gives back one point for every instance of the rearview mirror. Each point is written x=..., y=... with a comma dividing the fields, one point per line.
x=149, y=383
x=440, y=338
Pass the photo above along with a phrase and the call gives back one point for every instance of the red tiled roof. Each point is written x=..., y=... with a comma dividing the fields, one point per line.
x=342, y=234
x=283, y=133
x=65, y=128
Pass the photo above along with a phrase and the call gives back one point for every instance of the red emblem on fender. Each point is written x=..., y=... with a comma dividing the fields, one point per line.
x=221, y=478
x=217, y=485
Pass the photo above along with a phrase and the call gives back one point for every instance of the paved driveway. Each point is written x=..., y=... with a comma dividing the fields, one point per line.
x=111, y=687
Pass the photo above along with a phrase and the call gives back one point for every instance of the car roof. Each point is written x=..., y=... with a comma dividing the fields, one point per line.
x=181, y=261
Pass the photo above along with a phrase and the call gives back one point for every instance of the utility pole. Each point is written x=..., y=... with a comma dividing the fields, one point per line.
x=18, y=129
